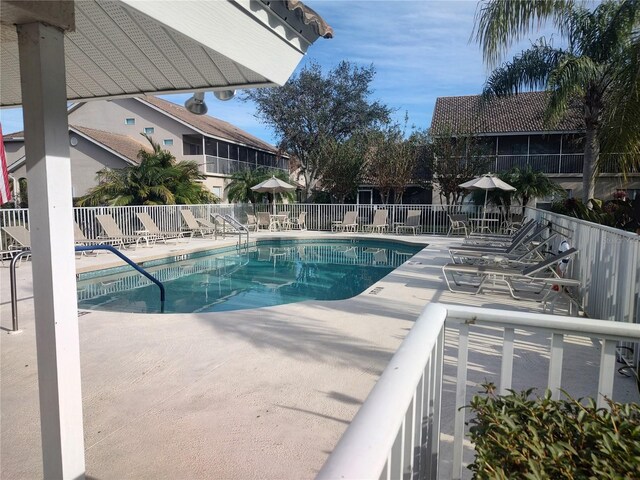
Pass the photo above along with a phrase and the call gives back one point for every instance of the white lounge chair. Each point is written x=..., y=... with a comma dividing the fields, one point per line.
x=264, y=221
x=412, y=222
x=152, y=228
x=18, y=240
x=113, y=234
x=197, y=225
x=458, y=222
x=349, y=223
x=299, y=223
x=379, y=223
x=20, y=236
x=252, y=222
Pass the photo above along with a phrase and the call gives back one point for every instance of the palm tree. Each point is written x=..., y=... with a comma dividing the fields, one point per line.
x=239, y=188
x=157, y=180
x=530, y=184
x=598, y=70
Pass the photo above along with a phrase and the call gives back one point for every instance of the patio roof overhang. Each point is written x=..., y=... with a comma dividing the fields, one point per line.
x=63, y=50
x=132, y=47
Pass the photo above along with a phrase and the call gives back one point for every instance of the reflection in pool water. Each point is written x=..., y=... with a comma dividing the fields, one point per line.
x=272, y=273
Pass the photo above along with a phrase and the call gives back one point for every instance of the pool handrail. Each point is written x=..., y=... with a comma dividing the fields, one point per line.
x=135, y=266
x=240, y=228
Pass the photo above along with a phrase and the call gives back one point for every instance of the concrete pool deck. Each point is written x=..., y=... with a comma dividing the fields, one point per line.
x=262, y=393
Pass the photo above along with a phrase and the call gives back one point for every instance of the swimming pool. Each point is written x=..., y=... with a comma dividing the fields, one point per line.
x=268, y=273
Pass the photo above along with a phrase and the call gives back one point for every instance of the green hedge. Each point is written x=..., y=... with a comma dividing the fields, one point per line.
x=520, y=437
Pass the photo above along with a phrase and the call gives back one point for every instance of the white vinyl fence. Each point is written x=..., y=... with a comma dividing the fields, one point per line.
x=608, y=263
x=434, y=218
x=397, y=432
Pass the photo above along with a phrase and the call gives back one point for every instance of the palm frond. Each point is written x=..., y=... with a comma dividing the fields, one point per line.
x=529, y=70
x=501, y=23
x=620, y=133
x=570, y=80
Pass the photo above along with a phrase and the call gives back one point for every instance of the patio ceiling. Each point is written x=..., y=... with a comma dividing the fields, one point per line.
x=129, y=47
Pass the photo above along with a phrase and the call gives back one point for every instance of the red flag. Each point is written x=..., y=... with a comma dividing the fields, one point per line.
x=5, y=190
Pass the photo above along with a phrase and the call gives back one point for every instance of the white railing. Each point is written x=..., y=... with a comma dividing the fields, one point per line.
x=609, y=260
x=434, y=218
x=608, y=264
x=397, y=431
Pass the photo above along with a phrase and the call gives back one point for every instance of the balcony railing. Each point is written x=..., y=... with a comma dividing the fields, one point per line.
x=227, y=166
x=398, y=431
x=552, y=164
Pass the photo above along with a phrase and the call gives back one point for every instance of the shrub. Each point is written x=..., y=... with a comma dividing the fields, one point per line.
x=520, y=437
x=618, y=213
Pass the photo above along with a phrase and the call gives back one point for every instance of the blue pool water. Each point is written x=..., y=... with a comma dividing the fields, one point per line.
x=271, y=273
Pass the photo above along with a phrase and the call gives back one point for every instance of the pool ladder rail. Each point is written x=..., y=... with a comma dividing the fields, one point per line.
x=238, y=227
x=87, y=248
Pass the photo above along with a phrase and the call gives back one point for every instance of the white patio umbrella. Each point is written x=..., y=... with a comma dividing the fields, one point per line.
x=273, y=185
x=487, y=182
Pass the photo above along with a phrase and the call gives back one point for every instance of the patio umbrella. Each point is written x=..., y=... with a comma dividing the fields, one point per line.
x=487, y=182
x=273, y=185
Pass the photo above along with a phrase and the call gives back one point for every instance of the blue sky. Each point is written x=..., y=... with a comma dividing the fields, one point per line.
x=420, y=50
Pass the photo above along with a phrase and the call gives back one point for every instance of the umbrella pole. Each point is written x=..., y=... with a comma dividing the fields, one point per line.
x=484, y=210
x=273, y=199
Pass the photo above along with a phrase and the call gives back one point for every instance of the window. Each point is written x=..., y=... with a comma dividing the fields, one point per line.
x=217, y=191
x=129, y=121
x=544, y=144
x=167, y=142
x=223, y=149
x=513, y=145
x=191, y=145
x=149, y=130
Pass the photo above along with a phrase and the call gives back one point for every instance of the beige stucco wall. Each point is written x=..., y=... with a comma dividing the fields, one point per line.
x=86, y=159
x=606, y=185
x=14, y=151
x=110, y=116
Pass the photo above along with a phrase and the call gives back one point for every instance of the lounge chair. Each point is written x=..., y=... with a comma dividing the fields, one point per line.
x=458, y=222
x=264, y=221
x=298, y=223
x=479, y=238
x=197, y=225
x=152, y=228
x=349, y=223
x=113, y=234
x=379, y=222
x=502, y=241
x=412, y=222
x=252, y=222
x=20, y=241
x=20, y=236
x=531, y=274
x=524, y=237
x=513, y=223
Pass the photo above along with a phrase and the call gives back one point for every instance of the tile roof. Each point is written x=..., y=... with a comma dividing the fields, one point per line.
x=516, y=114
x=209, y=125
x=310, y=17
x=13, y=136
x=126, y=146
